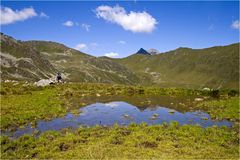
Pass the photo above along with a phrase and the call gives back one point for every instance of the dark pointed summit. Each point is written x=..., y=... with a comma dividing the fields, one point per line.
x=142, y=51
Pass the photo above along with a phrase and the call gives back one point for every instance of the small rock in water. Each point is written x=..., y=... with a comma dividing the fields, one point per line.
x=204, y=118
x=127, y=116
x=154, y=116
x=171, y=111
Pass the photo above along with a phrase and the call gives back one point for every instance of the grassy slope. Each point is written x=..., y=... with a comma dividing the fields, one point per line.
x=211, y=67
x=215, y=67
x=82, y=67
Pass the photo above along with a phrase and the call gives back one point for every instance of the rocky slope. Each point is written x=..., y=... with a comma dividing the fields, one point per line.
x=80, y=67
x=21, y=62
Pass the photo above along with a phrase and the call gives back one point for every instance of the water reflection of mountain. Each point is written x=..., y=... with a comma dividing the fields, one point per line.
x=181, y=104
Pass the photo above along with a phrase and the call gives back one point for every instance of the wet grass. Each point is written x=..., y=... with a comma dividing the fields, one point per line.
x=134, y=142
x=222, y=108
x=18, y=110
x=22, y=104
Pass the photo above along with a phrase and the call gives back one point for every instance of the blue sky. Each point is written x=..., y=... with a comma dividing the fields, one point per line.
x=119, y=29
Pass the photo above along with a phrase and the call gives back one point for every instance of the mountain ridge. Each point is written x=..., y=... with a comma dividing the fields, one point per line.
x=74, y=65
x=213, y=67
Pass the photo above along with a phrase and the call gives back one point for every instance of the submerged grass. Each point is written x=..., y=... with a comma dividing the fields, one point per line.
x=134, y=142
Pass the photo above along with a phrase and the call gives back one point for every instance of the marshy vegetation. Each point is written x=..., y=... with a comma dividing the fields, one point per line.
x=23, y=104
x=134, y=141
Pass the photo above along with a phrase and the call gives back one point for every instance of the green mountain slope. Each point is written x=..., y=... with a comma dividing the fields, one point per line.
x=80, y=67
x=21, y=62
x=216, y=67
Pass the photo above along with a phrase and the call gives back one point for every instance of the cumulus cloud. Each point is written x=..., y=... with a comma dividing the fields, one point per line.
x=43, y=15
x=112, y=54
x=81, y=47
x=9, y=16
x=122, y=42
x=236, y=24
x=86, y=26
x=68, y=23
x=133, y=21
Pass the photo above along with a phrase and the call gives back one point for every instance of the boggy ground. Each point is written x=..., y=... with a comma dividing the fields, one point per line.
x=135, y=141
x=22, y=104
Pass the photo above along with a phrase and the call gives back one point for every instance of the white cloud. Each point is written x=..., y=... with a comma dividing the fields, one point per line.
x=236, y=24
x=112, y=105
x=68, y=23
x=122, y=42
x=133, y=21
x=81, y=47
x=43, y=15
x=86, y=26
x=87, y=47
x=112, y=54
x=9, y=16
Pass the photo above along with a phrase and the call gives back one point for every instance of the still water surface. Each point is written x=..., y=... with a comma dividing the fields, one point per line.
x=122, y=113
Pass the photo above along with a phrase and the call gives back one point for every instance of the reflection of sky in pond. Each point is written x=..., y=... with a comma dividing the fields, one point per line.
x=123, y=114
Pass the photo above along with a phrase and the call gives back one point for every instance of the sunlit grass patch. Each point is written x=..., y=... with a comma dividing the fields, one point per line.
x=17, y=109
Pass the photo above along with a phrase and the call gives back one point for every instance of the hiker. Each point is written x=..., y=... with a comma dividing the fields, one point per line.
x=59, y=77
